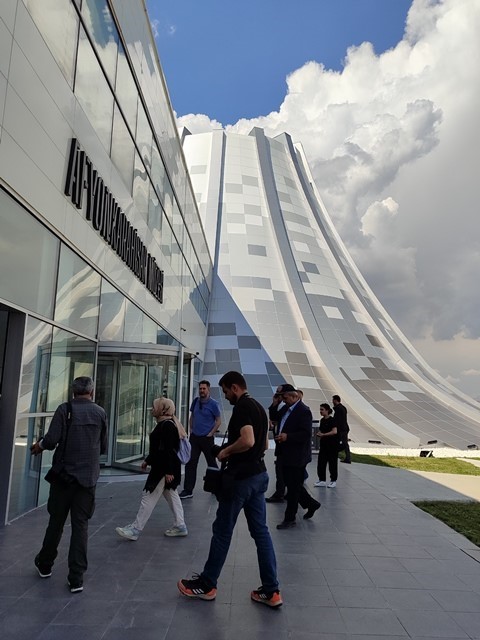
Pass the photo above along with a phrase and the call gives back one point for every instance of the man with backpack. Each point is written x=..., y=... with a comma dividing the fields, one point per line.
x=204, y=422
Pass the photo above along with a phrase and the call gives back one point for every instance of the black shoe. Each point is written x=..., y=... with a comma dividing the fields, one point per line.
x=75, y=586
x=346, y=461
x=274, y=498
x=44, y=570
x=287, y=524
x=186, y=494
x=311, y=510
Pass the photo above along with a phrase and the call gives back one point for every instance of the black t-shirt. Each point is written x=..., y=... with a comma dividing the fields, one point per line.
x=248, y=411
x=326, y=425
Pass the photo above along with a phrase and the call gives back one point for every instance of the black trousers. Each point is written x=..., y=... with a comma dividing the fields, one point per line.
x=328, y=454
x=346, y=447
x=296, y=491
x=279, y=480
x=80, y=503
x=200, y=444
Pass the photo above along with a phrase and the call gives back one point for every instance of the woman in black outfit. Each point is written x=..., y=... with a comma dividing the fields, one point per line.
x=328, y=449
x=165, y=472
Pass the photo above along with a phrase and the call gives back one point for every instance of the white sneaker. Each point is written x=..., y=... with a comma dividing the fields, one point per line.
x=128, y=531
x=320, y=483
x=176, y=531
x=332, y=485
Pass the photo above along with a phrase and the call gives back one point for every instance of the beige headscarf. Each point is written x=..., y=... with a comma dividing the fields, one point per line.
x=165, y=410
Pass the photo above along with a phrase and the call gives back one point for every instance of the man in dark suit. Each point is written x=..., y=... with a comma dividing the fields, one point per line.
x=294, y=452
x=275, y=413
x=340, y=421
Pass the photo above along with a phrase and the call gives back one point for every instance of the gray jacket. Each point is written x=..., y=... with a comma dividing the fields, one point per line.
x=86, y=440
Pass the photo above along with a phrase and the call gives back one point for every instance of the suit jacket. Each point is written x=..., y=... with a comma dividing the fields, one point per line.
x=296, y=451
x=340, y=419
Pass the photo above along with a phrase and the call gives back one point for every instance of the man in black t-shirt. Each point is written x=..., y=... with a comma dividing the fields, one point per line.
x=242, y=462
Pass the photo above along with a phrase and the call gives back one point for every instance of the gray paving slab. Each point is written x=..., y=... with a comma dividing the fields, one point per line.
x=368, y=565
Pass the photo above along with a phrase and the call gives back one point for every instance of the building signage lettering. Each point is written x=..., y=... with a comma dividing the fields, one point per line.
x=106, y=217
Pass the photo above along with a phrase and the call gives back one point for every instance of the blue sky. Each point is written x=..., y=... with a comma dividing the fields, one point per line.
x=384, y=95
x=229, y=60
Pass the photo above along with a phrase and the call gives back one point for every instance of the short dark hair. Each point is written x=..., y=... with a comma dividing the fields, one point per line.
x=327, y=407
x=82, y=386
x=204, y=382
x=337, y=398
x=232, y=377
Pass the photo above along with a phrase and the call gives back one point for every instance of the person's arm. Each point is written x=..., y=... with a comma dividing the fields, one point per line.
x=216, y=426
x=241, y=444
x=54, y=433
x=103, y=436
x=332, y=432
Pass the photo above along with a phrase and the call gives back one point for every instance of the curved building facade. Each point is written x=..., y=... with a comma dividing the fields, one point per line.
x=105, y=269
x=288, y=303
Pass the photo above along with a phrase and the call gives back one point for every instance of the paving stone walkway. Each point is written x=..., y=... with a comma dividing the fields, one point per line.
x=368, y=565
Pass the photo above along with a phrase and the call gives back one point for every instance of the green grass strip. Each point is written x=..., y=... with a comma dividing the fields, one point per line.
x=439, y=465
x=463, y=517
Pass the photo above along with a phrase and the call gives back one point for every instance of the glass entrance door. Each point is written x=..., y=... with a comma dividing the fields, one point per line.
x=131, y=410
x=126, y=385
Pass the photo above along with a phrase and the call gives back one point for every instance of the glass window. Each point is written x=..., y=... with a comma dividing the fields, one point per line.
x=123, y=149
x=131, y=410
x=93, y=92
x=102, y=30
x=35, y=366
x=3, y=337
x=149, y=330
x=78, y=294
x=112, y=314
x=126, y=90
x=133, y=323
x=28, y=487
x=144, y=136
x=138, y=326
x=141, y=185
x=166, y=241
x=154, y=214
x=158, y=172
x=71, y=356
x=28, y=259
x=178, y=224
x=168, y=199
x=58, y=22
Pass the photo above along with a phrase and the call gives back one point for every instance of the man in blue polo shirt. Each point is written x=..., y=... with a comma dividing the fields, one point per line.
x=204, y=422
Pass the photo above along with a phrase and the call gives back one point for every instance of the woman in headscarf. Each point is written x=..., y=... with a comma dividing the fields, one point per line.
x=165, y=472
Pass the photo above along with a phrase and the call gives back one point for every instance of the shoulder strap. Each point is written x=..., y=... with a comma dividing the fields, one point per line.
x=68, y=423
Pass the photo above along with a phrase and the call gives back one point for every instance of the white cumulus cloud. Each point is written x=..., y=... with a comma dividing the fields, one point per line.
x=393, y=144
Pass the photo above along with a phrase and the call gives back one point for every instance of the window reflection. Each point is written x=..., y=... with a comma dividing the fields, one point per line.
x=21, y=260
x=144, y=136
x=78, y=294
x=141, y=183
x=28, y=486
x=122, y=149
x=58, y=22
x=35, y=366
x=154, y=215
x=93, y=92
x=102, y=30
x=71, y=357
x=126, y=90
x=112, y=314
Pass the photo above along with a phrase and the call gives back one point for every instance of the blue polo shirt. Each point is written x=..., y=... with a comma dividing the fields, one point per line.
x=204, y=413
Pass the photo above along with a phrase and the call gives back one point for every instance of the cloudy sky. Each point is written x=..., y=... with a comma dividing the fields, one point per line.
x=385, y=97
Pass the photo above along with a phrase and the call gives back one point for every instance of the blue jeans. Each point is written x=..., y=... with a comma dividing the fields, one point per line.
x=249, y=495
